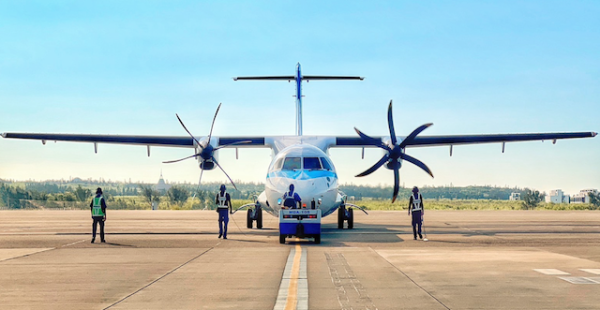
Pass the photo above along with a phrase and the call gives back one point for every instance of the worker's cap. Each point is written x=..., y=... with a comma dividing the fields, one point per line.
x=98, y=190
x=415, y=189
x=291, y=187
x=223, y=188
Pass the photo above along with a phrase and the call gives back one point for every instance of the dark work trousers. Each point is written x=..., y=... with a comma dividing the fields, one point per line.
x=417, y=221
x=98, y=220
x=223, y=221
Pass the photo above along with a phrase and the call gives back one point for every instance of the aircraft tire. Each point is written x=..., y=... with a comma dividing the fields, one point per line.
x=259, y=219
x=281, y=238
x=249, y=219
x=317, y=239
x=341, y=218
x=350, y=218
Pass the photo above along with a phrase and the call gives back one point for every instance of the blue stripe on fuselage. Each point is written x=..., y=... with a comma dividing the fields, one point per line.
x=302, y=174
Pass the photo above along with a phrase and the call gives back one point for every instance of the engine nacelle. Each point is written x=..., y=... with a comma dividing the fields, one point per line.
x=207, y=165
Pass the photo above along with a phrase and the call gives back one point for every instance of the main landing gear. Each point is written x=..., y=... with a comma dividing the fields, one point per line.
x=255, y=215
x=345, y=214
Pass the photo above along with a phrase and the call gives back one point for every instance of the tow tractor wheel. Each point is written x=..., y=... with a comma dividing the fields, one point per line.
x=317, y=239
x=259, y=218
x=249, y=219
x=341, y=216
x=281, y=239
x=350, y=218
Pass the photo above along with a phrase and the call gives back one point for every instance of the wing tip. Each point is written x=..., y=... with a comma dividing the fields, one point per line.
x=594, y=134
x=3, y=135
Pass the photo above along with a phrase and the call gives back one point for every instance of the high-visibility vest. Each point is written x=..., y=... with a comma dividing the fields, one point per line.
x=222, y=200
x=97, y=206
x=416, y=204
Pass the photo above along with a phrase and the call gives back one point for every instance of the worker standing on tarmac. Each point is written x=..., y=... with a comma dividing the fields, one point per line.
x=415, y=207
x=223, y=202
x=292, y=200
x=98, y=207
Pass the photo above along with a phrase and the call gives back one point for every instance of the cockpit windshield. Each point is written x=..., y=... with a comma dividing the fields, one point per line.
x=312, y=163
x=292, y=163
x=306, y=163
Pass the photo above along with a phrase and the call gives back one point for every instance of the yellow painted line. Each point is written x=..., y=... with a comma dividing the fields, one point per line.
x=292, y=298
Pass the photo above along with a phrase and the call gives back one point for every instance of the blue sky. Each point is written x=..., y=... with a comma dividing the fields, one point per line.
x=118, y=67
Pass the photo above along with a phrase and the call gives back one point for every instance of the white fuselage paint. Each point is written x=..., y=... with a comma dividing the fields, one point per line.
x=319, y=185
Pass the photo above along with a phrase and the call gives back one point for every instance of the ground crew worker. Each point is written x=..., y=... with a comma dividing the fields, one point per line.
x=415, y=207
x=223, y=202
x=292, y=200
x=98, y=207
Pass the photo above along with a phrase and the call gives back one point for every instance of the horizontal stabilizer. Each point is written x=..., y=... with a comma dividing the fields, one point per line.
x=282, y=78
x=331, y=77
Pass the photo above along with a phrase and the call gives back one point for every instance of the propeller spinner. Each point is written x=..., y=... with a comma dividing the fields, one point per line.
x=395, y=152
x=207, y=151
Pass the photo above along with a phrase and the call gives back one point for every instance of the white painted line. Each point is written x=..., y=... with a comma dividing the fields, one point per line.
x=552, y=272
x=594, y=271
x=293, y=290
x=579, y=280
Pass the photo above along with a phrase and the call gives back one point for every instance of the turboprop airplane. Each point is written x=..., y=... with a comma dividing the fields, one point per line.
x=303, y=160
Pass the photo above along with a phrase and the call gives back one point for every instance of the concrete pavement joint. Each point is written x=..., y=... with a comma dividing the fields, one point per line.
x=158, y=279
x=413, y=281
x=347, y=281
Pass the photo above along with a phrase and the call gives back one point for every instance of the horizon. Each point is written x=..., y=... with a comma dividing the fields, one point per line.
x=469, y=67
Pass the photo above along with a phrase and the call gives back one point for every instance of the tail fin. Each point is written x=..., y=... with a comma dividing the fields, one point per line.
x=298, y=78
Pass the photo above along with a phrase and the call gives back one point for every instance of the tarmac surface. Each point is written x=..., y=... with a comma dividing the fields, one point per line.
x=174, y=260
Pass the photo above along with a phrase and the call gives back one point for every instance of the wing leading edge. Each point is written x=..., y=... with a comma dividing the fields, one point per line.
x=167, y=141
x=470, y=139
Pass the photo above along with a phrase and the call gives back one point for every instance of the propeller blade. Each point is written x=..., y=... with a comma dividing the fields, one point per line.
x=391, y=125
x=174, y=161
x=199, y=182
x=230, y=180
x=396, y=183
x=213, y=123
x=372, y=141
x=181, y=122
x=417, y=163
x=413, y=134
x=377, y=165
x=234, y=143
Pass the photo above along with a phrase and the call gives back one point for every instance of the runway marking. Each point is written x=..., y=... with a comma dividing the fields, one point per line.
x=351, y=293
x=594, y=271
x=552, y=272
x=293, y=290
x=581, y=280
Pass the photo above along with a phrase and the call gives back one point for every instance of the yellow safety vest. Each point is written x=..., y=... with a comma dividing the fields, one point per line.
x=97, y=206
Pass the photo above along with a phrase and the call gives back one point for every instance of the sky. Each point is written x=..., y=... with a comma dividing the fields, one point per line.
x=469, y=67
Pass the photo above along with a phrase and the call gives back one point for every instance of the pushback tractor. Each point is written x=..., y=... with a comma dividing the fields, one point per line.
x=300, y=223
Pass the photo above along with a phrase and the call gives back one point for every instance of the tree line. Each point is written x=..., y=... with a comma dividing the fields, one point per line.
x=19, y=195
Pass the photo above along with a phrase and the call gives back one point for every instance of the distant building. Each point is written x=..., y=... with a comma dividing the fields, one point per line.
x=161, y=186
x=557, y=196
x=515, y=196
x=583, y=196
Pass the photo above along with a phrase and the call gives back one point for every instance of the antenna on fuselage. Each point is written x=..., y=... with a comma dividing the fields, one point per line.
x=299, y=78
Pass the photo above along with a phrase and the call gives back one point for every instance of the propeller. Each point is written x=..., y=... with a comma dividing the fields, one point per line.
x=207, y=151
x=395, y=152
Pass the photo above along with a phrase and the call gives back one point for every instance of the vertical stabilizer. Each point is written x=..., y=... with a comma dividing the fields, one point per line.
x=298, y=78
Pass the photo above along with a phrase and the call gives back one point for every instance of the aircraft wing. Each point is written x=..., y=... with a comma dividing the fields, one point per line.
x=169, y=141
x=469, y=139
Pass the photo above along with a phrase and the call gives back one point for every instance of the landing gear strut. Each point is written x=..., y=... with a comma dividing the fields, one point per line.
x=254, y=215
x=345, y=214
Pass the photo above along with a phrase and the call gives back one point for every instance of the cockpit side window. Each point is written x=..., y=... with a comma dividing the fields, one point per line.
x=278, y=164
x=312, y=163
x=326, y=164
x=292, y=163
